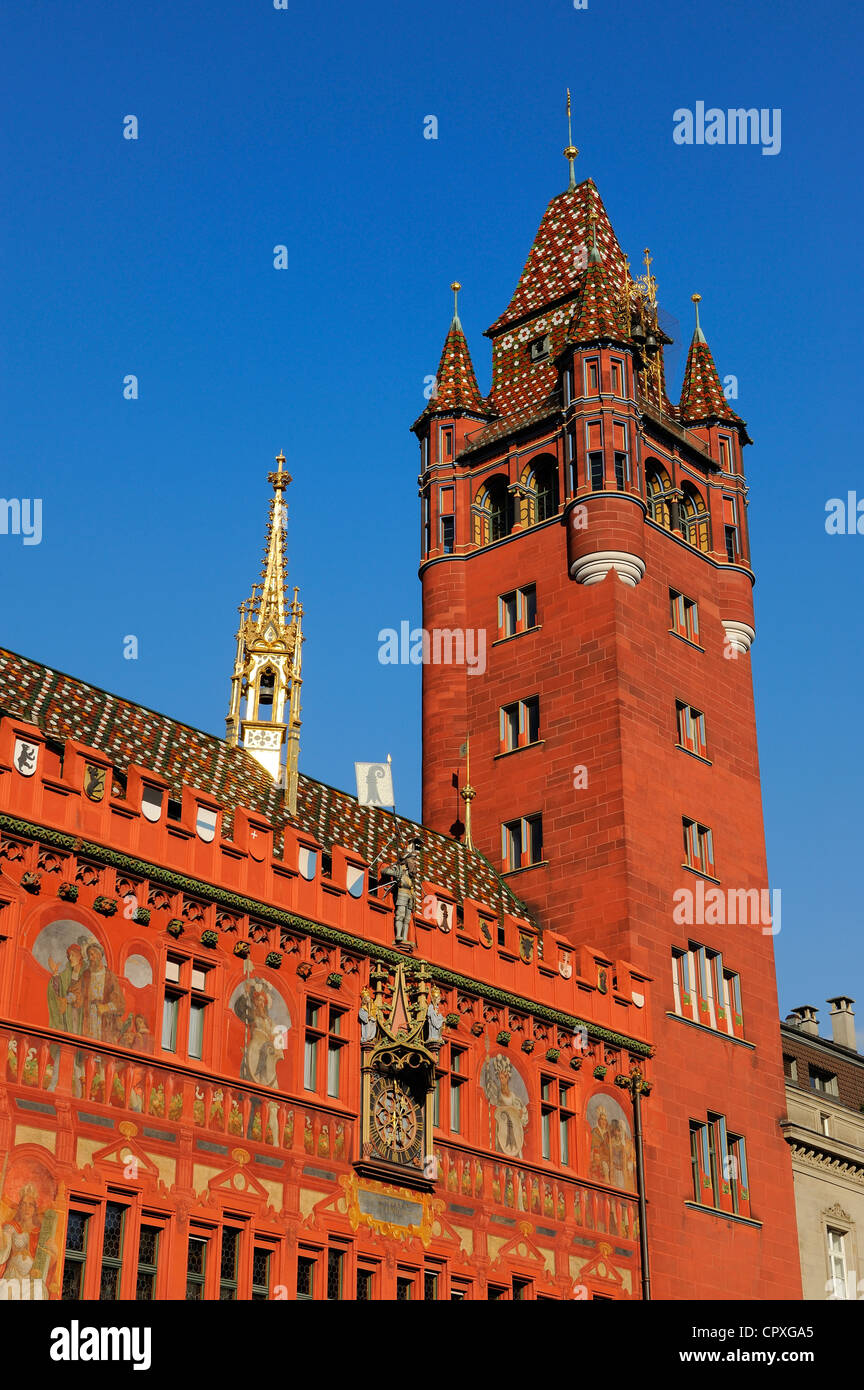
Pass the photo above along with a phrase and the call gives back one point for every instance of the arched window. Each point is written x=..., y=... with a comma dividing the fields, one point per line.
x=694, y=517
x=538, y=491
x=493, y=511
x=660, y=493
x=546, y=487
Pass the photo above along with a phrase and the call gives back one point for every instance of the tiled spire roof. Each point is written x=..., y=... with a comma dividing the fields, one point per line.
x=554, y=267
x=455, y=383
x=598, y=312
x=701, y=393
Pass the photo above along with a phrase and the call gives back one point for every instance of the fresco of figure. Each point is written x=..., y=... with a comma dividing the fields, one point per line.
x=104, y=1000
x=66, y=991
x=507, y=1093
x=28, y=1223
x=612, y=1157
x=264, y=1045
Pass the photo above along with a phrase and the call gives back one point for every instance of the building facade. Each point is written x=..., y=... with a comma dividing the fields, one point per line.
x=261, y=1041
x=824, y=1128
x=597, y=533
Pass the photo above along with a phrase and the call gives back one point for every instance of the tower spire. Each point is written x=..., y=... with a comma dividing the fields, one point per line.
x=267, y=667
x=456, y=287
x=571, y=151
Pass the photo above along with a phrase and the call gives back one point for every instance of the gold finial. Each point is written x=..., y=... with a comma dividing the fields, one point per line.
x=571, y=151
x=468, y=794
x=698, y=335
x=280, y=479
x=455, y=287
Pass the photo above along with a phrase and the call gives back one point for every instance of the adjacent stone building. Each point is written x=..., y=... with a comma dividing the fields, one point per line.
x=825, y=1131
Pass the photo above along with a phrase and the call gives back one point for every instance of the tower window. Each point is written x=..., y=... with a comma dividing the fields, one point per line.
x=705, y=991
x=448, y=534
x=691, y=729
x=519, y=724
x=719, y=1165
x=592, y=378
x=546, y=484
x=660, y=494
x=685, y=617
x=694, y=518
x=595, y=471
x=725, y=454
x=698, y=847
x=493, y=511
x=522, y=842
x=617, y=372
x=517, y=611
x=447, y=444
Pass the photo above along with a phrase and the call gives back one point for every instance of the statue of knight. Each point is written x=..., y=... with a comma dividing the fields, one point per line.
x=406, y=873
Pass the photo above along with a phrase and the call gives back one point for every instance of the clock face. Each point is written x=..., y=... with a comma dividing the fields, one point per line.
x=396, y=1122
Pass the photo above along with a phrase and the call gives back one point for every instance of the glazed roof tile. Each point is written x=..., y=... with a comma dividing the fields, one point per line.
x=455, y=383
x=64, y=707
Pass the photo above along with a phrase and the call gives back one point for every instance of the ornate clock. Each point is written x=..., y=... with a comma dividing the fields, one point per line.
x=396, y=1123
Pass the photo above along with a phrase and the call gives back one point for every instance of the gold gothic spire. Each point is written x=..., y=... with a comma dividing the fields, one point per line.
x=267, y=668
x=571, y=151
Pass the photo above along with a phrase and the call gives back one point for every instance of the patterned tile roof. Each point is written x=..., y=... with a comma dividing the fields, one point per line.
x=559, y=254
x=599, y=311
x=64, y=707
x=701, y=393
x=455, y=383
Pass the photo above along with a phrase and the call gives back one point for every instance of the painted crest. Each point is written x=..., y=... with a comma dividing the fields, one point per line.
x=94, y=781
x=151, y=803
x=205, y=824
x=26, y=757
x=565, y=966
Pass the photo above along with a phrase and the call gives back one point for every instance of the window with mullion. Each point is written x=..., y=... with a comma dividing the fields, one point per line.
x=262, y=1259
x=113, y=1229
x=148, y=1263
x=196, y=1267
x=75, y=1257
x=229, y=1255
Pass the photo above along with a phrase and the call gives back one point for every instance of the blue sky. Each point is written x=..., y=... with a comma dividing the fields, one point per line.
x=304, y=127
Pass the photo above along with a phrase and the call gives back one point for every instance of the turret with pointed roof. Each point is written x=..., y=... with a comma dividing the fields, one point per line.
x=268, y=662
x=702, y=398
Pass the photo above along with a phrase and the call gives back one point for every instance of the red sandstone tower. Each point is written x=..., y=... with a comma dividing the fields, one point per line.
x=594, y=536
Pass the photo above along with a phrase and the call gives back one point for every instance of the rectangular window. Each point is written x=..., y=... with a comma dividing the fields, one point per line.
x=188, y=992
x=595, y=471
x=430, y=1285
x=519, y=724
x=405, y=1288
x=790, y=1067
x=837, y=1266
x=617, y=371
x=698, y=847
x=447, y=444
x=228, y=1264
x=705, y=991
x=719, y=1166
x=517, y=611
x=725, y=454
x=824, y=1081
x=449, y=1083
x=324, y=1035
x=448, y=534
x=522, y=842
x=691, y=729
x=365, y=1285
x=685, y=616
x=592, y=378
x=77, y=1231
x=196, y=1269
x=112, y=1251
x=148, y=1262
x=262, y=1259
x=335, y=1262
x=306, y=1276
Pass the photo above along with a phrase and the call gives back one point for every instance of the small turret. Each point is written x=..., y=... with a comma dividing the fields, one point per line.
x=268, y=662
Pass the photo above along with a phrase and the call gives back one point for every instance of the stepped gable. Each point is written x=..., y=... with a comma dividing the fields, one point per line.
x=64, y=707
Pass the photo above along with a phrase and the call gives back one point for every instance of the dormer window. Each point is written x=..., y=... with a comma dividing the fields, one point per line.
x=540, y=348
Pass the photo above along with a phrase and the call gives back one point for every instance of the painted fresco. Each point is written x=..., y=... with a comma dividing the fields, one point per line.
x=508, y=1100
x=612, y=1155
x=30, y=1207
x=262, y=1011
x=83, y=994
